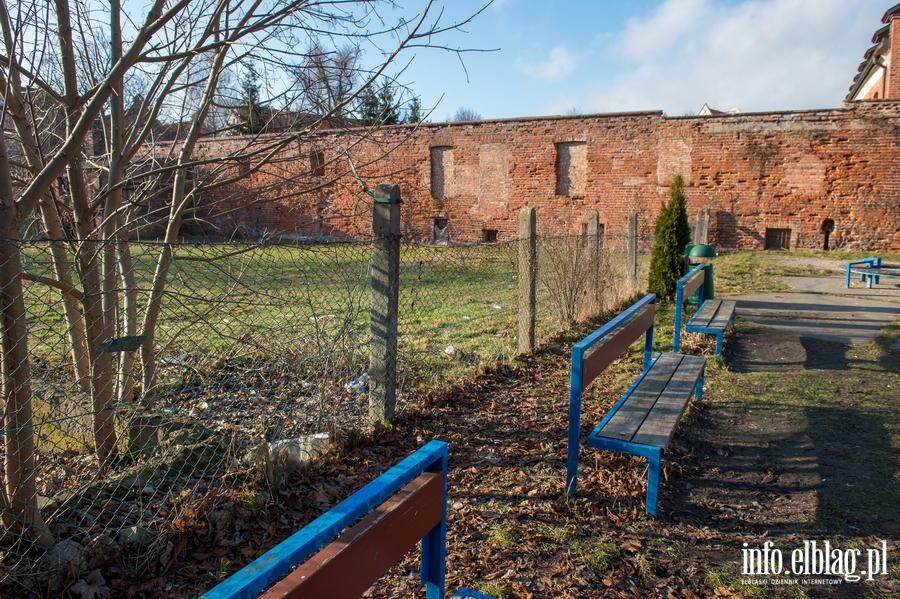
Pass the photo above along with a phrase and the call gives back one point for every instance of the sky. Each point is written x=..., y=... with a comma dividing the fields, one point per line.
x=596, y=56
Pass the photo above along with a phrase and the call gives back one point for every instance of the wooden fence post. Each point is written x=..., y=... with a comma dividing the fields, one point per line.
x=527, y=278
x=632, y=246
x=593, y=255
x=701, y=230
x=385, y=272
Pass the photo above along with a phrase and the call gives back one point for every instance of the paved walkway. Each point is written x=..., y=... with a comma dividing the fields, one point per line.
x=822, y=308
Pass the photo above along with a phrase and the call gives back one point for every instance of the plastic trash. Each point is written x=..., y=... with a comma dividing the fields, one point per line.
x=450, y=350
x=358, y=385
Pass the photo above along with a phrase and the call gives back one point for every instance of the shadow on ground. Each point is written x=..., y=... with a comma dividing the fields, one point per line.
x=798, y=440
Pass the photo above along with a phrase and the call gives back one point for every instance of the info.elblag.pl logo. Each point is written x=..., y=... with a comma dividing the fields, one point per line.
x=815, y=558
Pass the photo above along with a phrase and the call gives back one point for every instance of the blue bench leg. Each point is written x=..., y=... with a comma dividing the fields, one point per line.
x=719, y=336
x=653, y=481
x=698, y=390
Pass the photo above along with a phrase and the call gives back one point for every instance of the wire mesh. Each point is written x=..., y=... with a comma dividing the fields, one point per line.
x=251, y=360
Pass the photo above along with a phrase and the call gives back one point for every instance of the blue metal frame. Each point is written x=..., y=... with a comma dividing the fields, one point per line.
x=679, y=300
x=863, y=275
x=283, y=557
x=576, y=380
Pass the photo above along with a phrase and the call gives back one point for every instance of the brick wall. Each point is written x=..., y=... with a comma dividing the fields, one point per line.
x=786, y=170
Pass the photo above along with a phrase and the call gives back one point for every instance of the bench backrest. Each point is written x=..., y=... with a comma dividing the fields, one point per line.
x=594, y=353
x=684, y=287
x=404, y=505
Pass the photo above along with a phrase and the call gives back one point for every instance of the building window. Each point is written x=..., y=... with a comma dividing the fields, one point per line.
x=778, y=239
x=441, y=171
x=317, y=163
x=441, y=231
x=489, y=235
x=571, y=168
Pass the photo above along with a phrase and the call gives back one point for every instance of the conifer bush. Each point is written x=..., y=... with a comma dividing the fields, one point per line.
x=671, y=234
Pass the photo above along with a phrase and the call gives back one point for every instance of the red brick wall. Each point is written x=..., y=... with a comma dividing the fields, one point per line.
x=755, y=171
x=893, y=75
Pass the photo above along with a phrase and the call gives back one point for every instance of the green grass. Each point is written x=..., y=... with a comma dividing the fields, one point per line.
x=596, y=557
x=235, y=312
x=500, y=537
x=489, y=588
x=758, y=272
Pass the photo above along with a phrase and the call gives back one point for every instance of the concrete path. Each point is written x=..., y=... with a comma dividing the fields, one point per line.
x=823, y=309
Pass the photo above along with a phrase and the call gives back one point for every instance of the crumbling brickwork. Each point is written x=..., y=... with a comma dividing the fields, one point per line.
x=787, y=170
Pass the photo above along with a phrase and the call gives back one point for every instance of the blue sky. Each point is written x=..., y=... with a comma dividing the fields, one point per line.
x=556, y=56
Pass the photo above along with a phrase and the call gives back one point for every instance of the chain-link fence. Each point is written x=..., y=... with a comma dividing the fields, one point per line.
x=163, y=374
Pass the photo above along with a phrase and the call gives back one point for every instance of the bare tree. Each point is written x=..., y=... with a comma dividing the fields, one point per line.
x=327, y=80
x=87, y=162
x=466, y=113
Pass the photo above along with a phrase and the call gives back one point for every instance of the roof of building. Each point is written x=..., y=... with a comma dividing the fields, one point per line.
x=872, y=57
x=894, y=10
x=708, y=111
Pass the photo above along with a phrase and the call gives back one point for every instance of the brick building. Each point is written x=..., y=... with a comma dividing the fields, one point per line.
x=879, y=73
x=768, y=179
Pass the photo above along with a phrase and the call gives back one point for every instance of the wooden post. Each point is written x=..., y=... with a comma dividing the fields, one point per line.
x=385, y=272
x=593, y=255
x=527, y=278
x=632, y=246
x=704, y=227
x=698, y=226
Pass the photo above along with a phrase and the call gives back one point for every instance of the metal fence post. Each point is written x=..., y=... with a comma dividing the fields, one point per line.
x=632, y=246
x=527, y=278
x=385, y=273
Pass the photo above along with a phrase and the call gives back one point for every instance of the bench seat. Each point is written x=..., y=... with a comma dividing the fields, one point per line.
x=649, y=411
x=713, y=317
x=643, y=421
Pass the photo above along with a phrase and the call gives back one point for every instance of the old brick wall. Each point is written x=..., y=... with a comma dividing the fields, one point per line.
x=786, y=171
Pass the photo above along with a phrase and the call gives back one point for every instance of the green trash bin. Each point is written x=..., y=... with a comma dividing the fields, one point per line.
x=703, y=251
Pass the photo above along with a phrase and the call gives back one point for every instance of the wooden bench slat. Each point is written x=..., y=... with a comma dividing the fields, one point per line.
x=346, y=567
x=630, y=415
x=607, y=352
x=723, y=314
x=660, y=424
x=705, y=314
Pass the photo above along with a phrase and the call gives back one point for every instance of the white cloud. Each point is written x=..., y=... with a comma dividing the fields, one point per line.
x=558, y=65
x=756, y=55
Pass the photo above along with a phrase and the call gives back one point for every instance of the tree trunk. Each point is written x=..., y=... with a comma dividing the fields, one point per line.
x=18, y=427
x=81, y=361
x=126, y=383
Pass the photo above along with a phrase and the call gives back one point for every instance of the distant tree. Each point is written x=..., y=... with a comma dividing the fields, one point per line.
x=378, y=107
x=574, y=111
x=249, y=117
x=466, y=113
x=328, y=80
x=671, y=234
x=414, y=111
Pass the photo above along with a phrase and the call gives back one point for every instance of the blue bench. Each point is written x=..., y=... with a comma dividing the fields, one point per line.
x=713, y=316
x=870, y=270
x=387, y=517
x=643, y=420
